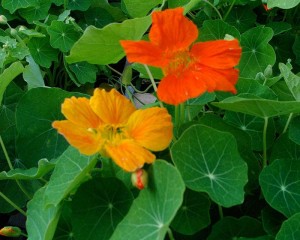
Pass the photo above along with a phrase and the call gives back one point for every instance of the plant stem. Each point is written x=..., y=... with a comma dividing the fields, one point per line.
x=12, y=203
x=170, y=234
x=152, y=81
x=177, y=116
x=220, y=211
x=182, y=113
x=114, y=70
x=229, y=10
x=11, y=168
x=287, y=123
x=216, y=10
x=265, y=162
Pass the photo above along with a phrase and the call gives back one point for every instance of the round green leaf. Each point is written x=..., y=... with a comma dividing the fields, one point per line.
x=136, y=9
x=193, y=215
x=283, y=3
x=84, y=72
x=241, y=17
x=217, y=29
x=13, y=5
x=98, y=17
x=258, y=107
x=281, y=186
x=230, y=228
x=290, y=229
x=257, y=52
x=62, y=36
x=72, y=169
x=153, y=210
x=42, y=52
x=37, y=12
x=294, y=130
x=209, y=161
x=102, y=46
x=103, y=202
x=81, y=5
x=35, y=112
x=271, y=220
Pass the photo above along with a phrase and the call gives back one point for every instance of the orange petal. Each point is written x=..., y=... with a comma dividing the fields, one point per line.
x=144, y=52
x=152, y=128
x=171, y=30
x=175, y=89
x=79, y=112
x=221, y=54
x=87, y=142
x=129, y=155
x=111, y=107
x=218, y=79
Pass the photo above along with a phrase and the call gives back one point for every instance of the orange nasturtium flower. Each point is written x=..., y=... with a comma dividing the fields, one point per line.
x=189, y=69
x=109, y=123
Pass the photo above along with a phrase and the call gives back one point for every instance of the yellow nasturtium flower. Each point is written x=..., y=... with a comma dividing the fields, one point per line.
x=109, y=123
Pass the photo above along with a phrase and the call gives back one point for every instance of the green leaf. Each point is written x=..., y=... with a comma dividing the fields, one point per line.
x=177, y=3
x=94, y=44
x=291, y=80
x=155, y=71
x=137, y=9
x=281, y=186
x=279, y=27
x=20, y=52
x=13, y=5
x=8, y=75
x=39, y=11
x=64, y=229
x=41, y=219
x=84, y=72
x=263, y=108
x=209, y=161
x=102, y=201
x=42, y=52
x=44, y=166
x=230, y=228
x=98, y=17
x=241, y=17
x=79, y=5
x=285, y=148
x=193, y=215
x=283, y=4
x=254, y=126
x=217, y=29
x=32, y=74
x=257, y=52
x=271, y=220
x=294, y=130
x=296, y=49
x=153, y=210
x=36, y=111
x=62, y=36
x=290, y=229
x=72, y=169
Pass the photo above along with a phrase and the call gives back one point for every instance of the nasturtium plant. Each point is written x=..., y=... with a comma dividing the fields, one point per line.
x=155, y=120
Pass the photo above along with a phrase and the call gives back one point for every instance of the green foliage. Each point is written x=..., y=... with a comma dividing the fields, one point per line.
x=232, y=170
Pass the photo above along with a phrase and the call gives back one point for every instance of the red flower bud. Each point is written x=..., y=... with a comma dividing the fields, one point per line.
x=139, y=179
x=10, y=231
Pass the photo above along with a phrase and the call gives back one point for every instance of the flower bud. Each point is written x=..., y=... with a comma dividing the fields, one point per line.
x=3, y=19
x=139, y=179
x=13, y=32
x=10, y=231
x=127, y=75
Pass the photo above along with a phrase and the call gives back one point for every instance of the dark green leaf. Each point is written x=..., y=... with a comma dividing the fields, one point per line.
x=39, y=11
x=84, y=72
x=13, y=5
x=79, y=5
x=209, y=161
x=290, y=229
x=98, y=17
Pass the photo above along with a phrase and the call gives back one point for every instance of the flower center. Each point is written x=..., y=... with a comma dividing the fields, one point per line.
x=179, y=62
x=113, y=134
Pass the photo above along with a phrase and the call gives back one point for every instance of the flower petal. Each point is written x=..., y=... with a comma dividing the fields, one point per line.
x=129, y=155
x=152, y=128
x=144, y=52
x=175, y=89
x=87, y=142
x=79, y=112
x=171, y=30
x=221, y=54
x=111, y=107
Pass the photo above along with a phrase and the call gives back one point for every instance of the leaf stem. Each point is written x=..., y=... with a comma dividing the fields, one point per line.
x=182, y=113
x=152, y=82
x=170, y=234
x=265, y=161
x=287, y=123
x=12, y=204
x=220, y=211
x=229, y=10
x=114, y=70
x=216, y=10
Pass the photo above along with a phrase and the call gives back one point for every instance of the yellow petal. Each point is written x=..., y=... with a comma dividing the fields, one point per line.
x=85, y=140
x=79, y=112
x=111, y=107
x=129, y=155
x=152, y=128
